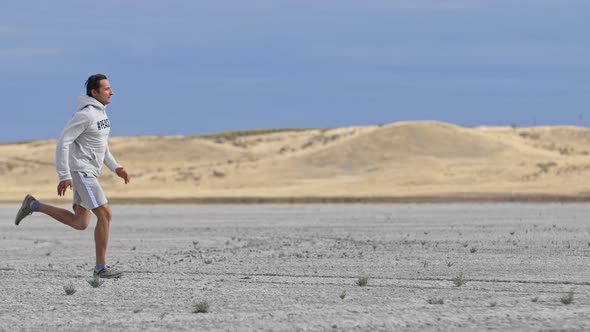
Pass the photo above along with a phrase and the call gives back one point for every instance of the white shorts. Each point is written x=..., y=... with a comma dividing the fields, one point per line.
x=87, y=191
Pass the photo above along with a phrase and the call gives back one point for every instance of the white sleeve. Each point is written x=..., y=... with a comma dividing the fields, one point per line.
x=76, y=126
x=110, y=161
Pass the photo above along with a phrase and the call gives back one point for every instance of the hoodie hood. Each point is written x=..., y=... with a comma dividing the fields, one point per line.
x=84, y=101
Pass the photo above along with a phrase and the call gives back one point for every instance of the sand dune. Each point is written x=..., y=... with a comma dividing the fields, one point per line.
x=407, y=159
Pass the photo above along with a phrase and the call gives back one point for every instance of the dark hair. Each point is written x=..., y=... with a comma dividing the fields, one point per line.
x=93, y=83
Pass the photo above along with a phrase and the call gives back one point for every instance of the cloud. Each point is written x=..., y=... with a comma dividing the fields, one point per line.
x=14, y=31
x=29, y=59
x=484, y=53
x=28, y=52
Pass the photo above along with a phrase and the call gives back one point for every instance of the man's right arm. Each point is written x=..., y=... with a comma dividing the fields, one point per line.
x=76, y=126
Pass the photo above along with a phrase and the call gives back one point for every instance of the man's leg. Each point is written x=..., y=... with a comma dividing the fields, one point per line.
x=101, y=232
x=101, y=240
x=80, y=219
x=88, y=191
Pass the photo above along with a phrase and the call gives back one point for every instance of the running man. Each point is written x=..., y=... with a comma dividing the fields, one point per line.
x=80, y=154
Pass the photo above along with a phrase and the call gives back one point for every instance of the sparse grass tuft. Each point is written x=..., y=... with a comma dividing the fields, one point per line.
x=70, y=289
x=96, y=282
x=201, y=307
x=459, y=280
x=435, y=300
x=241, y=133
x=568, y=298
x=218, y=174
x=545, y=167
x=343, y=294
x=362, y=281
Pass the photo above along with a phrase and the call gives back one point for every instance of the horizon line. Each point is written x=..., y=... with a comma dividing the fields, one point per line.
x=261, y=131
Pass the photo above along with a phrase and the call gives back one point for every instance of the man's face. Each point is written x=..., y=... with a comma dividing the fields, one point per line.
x=103, y=93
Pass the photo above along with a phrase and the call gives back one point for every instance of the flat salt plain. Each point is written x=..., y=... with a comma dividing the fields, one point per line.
x=286, y=267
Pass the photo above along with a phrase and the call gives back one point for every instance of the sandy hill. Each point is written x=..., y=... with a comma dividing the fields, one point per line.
x=408, y=159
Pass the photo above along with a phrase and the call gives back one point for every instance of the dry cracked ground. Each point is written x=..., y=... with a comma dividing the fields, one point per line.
x=296, y=268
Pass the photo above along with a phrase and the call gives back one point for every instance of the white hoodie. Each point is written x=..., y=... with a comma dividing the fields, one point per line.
x=83, y=145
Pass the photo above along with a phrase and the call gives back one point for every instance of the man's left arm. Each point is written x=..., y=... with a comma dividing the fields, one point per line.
x=114, y=166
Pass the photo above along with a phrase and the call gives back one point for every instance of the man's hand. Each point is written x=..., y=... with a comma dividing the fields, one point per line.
x=62, y=186
x=122, y=174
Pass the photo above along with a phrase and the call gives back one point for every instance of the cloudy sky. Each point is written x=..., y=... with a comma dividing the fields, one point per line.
x=196, y=67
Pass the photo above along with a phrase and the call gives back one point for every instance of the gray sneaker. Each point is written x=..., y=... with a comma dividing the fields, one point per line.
x=25, y=209
x=108, y=272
